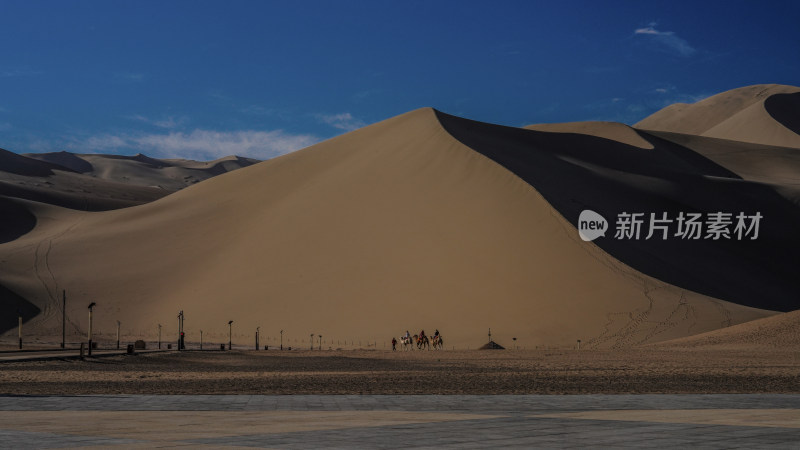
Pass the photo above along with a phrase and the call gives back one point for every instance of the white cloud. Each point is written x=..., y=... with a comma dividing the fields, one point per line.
x=342, y=121
x=667, y=39
x=169, y=122
x=198, y=144
x=129, y=77
x=19, y=72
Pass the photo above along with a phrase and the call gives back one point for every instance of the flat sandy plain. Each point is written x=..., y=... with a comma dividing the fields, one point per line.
x=632, y=371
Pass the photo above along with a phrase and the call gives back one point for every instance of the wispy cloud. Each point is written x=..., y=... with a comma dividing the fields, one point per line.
x=19, y=72
x=129, y=77
x=341, y=121
x=198, y=144
x=666, y=39
x=168, y=122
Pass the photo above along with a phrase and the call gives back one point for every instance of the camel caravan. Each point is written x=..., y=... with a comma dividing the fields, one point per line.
x=420, y=340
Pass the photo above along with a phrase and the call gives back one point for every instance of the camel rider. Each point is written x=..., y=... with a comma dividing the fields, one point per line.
x=407, y=336
x=422, y=334
x=436, y=335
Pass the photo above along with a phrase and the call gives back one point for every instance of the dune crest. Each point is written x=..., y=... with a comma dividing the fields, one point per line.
x=608, y=130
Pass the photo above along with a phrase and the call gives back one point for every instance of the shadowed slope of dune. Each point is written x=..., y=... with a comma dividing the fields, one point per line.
x=763, y=114
x=397, y=226
x=785, y=109
x=16, y=220
x=20, y=165
x=753, y=162
x=608, y=130
x=576, y=172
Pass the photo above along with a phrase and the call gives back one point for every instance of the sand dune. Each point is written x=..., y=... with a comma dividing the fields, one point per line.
x=614, y=131
x=578, y=171
x=142, y=170
x=763, y=114
x=421, y=221
x=782, y=331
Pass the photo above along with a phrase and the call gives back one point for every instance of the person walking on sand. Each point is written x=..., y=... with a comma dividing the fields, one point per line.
x=394, y=344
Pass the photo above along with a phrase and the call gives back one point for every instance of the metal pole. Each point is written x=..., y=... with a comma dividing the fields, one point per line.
x=63, y=318
x=257, y=328
x=312, y=342
x=281, y=339
x=159, y=336
x=118, y=334
x=183, y=333
x=91, y=305
x=201, y=339
x=320, y=342
x=230, y=334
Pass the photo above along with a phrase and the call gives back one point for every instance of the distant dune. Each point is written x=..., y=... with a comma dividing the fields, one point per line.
x=761, y=114
x=421, y=221
x=142, y=170
x=92, y=182
x=782, y=330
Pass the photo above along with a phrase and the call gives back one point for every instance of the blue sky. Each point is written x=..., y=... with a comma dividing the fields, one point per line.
x=204, y=79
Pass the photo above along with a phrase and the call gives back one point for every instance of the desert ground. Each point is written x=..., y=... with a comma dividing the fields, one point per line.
x=640, y=371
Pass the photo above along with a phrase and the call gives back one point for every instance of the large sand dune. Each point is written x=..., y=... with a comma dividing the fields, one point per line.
x=762, y=114
x=421, y=221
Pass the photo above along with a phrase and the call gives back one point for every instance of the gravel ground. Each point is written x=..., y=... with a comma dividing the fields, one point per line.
x=755, y=370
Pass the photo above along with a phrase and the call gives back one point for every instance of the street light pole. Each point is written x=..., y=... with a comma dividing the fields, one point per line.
x=257, y=328
x=91, y=306
x=281, y=339
x=320, y=342
x=230, y=334
x=201, y=339
x=19, y=315
x=63, y=318
x=181, y=345
x=118, y=323
x=159, y=336
x=312, y=341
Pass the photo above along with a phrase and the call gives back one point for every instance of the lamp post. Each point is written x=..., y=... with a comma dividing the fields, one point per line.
x=257, y=329
x=201, y=339
x=312, y=341
x=181, y=345
x=118, y=324
x=230, y=334
x=91, y=306
x=281, y=339
x=159, y=336
x=320, y=342
x=63, y=318
x=19, y=316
